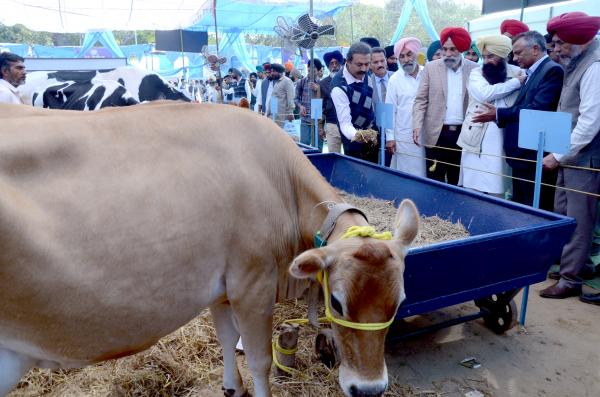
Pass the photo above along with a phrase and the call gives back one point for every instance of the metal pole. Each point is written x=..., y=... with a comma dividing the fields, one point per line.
x=217, y=44
x=522, y=10
x=314, y=132
x=536, y=204
x=352, y=23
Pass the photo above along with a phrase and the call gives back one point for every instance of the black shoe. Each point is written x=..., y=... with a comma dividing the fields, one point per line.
x=593, y=299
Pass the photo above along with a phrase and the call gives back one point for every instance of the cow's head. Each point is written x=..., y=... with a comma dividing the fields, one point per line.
x=365, y=286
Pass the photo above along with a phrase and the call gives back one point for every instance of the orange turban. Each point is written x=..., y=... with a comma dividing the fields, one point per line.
x=459, y=36
x=289, y=66
x=513, y=27
x=574, y=27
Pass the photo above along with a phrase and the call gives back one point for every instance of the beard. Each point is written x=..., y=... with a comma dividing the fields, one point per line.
x=451, y=62
x=393, y=67
x=409, y=67
x=567, y=61
x=494, y=74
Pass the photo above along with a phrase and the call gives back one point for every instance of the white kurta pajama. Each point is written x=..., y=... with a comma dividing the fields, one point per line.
x=401, y=92
x=483, y=171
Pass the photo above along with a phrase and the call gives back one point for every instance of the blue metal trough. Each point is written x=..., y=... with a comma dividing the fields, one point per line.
x=510, y=245
x=306, y=149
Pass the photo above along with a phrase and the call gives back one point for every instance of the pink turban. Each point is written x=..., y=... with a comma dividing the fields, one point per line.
x=459, y=36
x=513, y=27
x=411, y=43
x=574, y=27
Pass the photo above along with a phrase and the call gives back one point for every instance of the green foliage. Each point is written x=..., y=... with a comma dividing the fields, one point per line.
x=21, y=35
x=367, y=20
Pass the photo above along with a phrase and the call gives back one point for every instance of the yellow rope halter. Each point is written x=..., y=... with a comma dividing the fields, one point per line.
x=353, y=231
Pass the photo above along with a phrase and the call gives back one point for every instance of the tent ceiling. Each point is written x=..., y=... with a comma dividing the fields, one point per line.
x=76, y=16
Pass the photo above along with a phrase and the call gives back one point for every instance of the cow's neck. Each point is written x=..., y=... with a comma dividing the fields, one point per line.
x=314, y=194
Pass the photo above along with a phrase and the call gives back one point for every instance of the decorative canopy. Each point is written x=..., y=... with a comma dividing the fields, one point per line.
x=79, y=16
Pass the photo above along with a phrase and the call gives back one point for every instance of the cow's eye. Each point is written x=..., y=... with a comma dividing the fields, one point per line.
x=336, y=305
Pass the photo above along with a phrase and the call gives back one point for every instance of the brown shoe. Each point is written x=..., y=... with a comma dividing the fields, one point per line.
x=559, y=292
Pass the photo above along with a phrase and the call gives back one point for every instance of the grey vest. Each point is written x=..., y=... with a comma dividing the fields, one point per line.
x=589, y=156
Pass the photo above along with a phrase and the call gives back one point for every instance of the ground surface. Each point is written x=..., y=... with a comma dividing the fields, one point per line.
x=557, y=355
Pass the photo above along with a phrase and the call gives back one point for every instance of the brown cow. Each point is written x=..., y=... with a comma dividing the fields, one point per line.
x=117, y=227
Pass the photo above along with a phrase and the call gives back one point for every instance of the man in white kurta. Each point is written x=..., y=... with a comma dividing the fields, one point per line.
x=402, y=88
x=12, y=75
x=497, y=82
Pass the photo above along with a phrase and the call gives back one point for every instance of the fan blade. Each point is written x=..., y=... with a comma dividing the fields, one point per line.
x=326, y=30
x=297, y=34
x=281, y=32
x=282, y=23
x=307, y=43
x=306, y=23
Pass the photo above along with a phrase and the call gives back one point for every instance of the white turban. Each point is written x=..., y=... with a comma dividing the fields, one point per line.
x=498, y=45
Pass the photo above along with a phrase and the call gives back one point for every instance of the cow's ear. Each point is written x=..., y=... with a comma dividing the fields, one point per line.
x=406, y=225
x=308, y=264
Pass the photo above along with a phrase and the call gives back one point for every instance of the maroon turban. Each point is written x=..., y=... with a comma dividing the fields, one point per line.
x=574, y=27
x=459, y=36
x=513, y=27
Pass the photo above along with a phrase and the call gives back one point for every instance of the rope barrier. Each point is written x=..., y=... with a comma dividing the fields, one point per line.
x=503, y=175
x=501, y=156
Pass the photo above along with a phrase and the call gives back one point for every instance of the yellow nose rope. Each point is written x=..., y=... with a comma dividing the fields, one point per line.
x=366, y=231
x=353, y=231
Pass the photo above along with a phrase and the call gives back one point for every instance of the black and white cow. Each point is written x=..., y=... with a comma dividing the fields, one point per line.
x=91, y=90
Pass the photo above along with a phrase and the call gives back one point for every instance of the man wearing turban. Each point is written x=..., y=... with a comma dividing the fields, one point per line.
x=573, y=36
x=541, y=91
x=440, y=105
x=264, y=89
x=473, y=54
x=497, y=82
x=334, y=61
x=283, y=93
x=513, y=27
x=434, y=51
x=390, y=57
x=402, y=88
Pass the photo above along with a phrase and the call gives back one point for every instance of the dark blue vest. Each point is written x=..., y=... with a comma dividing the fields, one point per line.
x=239, y=90
x=360, y=96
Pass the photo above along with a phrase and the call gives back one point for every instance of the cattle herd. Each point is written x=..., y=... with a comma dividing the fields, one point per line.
x=96, y=89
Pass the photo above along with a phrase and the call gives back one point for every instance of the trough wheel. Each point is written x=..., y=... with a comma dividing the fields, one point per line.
x=500, y=311
x=503, y=318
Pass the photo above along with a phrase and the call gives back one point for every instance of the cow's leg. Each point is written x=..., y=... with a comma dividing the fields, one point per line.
x=12, y=367
x=256, y=328
x=228, y=335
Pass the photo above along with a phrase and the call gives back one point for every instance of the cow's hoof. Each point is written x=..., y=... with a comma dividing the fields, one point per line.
x=231, y=393
x=325, y=348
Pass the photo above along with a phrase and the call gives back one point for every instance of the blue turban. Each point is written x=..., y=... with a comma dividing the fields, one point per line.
x=433, y=47
x=328, y=56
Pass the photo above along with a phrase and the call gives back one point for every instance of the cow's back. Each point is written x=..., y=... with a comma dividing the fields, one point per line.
x=118, y=226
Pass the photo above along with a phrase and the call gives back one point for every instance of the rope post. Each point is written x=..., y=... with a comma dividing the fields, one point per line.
x=286, y=346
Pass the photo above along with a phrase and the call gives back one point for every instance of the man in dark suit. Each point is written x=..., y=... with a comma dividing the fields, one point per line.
x=541, y=91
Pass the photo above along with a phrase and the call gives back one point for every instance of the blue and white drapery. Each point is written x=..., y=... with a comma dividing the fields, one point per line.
x=106, y=38
x=420, y=7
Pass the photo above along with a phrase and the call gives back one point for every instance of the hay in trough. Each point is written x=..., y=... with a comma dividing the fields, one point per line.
x=381, y=214
x=188, y=362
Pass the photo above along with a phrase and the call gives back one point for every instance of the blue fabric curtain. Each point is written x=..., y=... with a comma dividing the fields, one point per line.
x=420, y=7
x=43, y=51
x=106, y=38
x=19, y=49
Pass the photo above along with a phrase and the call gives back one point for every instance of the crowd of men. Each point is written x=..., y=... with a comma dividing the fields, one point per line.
x=456, y=116
x=456, y=113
